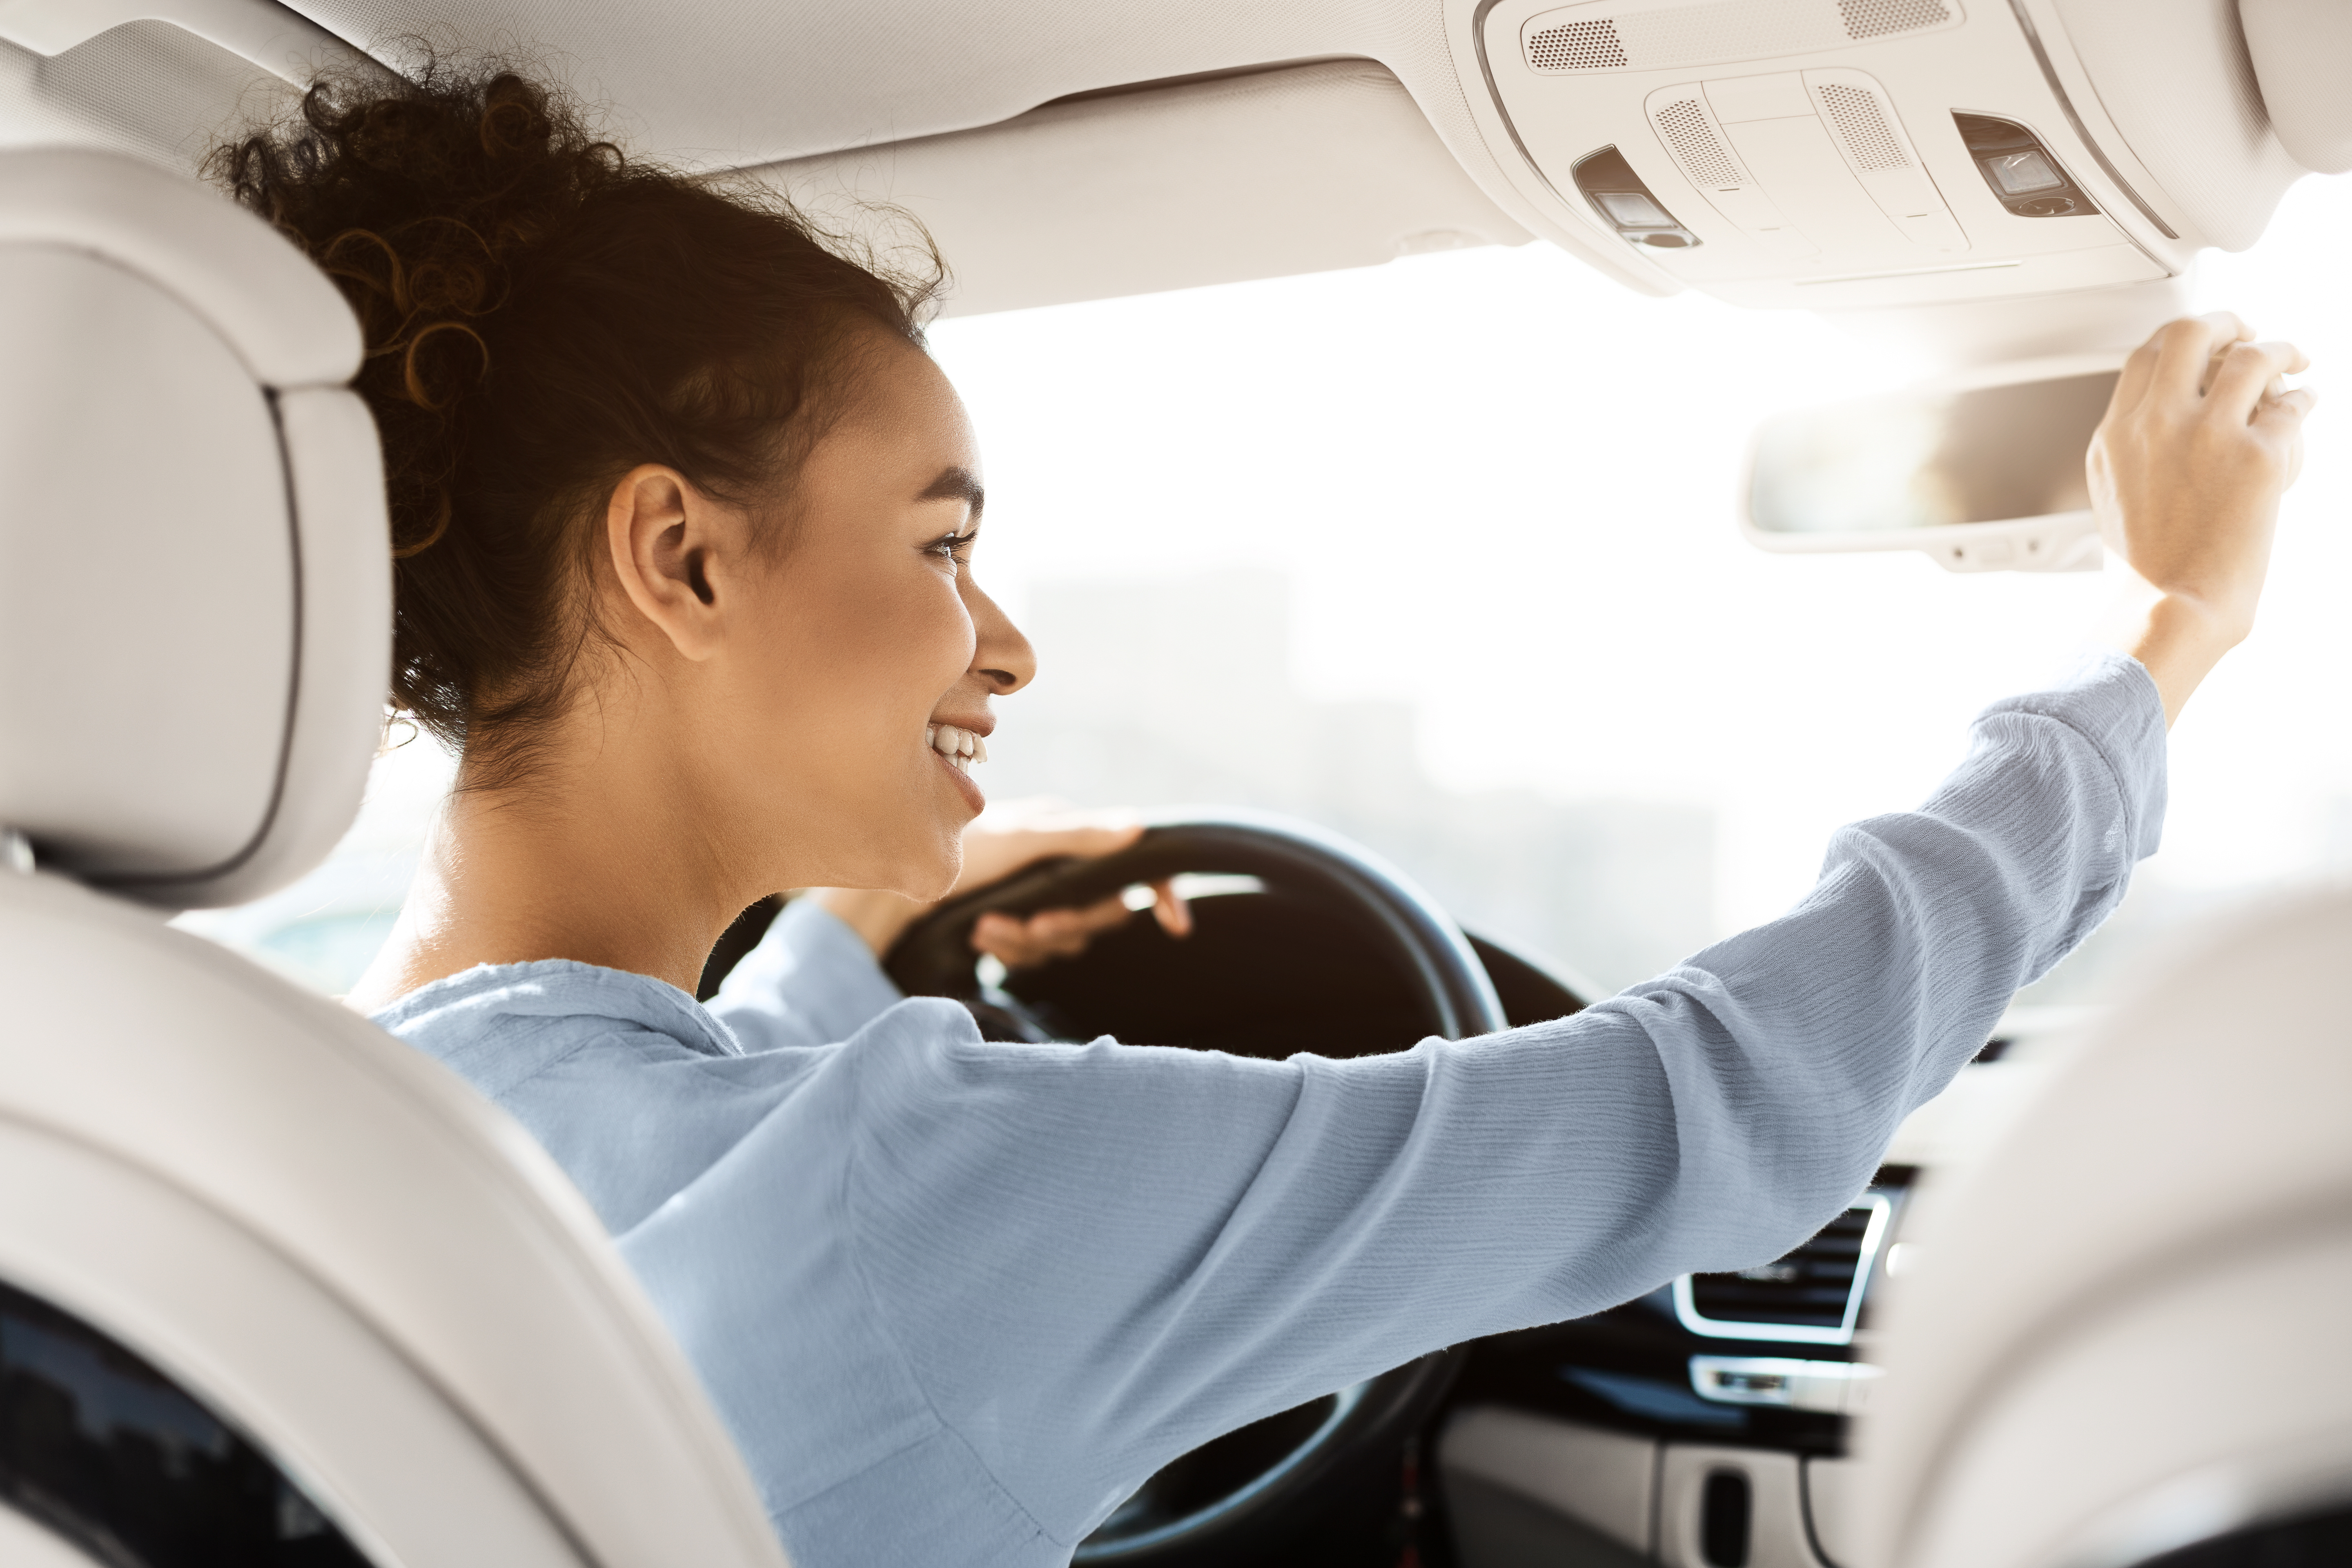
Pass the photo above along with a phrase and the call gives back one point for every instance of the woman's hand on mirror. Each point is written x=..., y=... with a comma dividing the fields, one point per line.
x=2186, y=472
x=1003, y=841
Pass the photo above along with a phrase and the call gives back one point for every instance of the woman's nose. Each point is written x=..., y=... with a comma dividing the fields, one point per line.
x=1001, y=656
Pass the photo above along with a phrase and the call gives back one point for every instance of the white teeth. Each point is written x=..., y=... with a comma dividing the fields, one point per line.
x=958, y=745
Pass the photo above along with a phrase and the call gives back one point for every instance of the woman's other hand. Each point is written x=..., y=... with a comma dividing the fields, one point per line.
x=1001, y=841
x=2186, y=471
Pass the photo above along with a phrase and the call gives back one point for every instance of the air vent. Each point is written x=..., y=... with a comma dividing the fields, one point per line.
x=1861, y=123
x=1812, y=1295
x=1577, y=47
x=1682, y=122
x=1876, y=18
x=1645, y=35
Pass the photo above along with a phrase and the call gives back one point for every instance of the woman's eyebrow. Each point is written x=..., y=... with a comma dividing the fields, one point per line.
x=957, y=484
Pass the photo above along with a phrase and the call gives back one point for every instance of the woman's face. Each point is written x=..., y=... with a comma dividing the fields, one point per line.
x=866, y=633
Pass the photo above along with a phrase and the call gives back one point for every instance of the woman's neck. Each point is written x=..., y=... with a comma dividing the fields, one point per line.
x=603, y=864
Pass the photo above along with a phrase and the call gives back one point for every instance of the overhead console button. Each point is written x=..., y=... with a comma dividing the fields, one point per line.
x=2022, y=173
x=1610, y=184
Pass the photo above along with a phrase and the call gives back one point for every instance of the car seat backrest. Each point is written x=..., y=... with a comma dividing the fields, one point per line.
x=195, y=597
x=2122, y=1330
x=362, y=1264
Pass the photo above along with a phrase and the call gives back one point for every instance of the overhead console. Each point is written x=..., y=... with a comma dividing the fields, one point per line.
x=1824, y=154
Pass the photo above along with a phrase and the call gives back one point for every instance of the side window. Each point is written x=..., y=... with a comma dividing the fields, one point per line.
x=108, y=1452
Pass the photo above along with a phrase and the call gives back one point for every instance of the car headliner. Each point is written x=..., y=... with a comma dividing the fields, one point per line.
x=1326, y=134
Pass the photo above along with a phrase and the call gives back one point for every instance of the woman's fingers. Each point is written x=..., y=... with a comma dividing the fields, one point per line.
x=2281, y=418
x=2186, y=481
x=1018, y=942
x=2185, y=350
x=1169, y=908
x=2247, y=374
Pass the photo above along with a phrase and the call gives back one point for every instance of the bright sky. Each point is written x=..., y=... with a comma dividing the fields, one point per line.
x=1505, y=488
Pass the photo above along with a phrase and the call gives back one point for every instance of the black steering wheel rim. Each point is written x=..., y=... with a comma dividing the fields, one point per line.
x=934, y=957
x=1397, y=920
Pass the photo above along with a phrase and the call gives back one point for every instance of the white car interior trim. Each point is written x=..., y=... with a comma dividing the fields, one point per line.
x=405, y=1193
x=26, y=1544
x=277, y=312
x=2033, y=1408
x=1776, y=1536
x=1649, y=278
x=78, y=333
x=284, y=43
x=2302, y=51
x=1829, y=1509
x=1837, y=1388
x=2073, y=118
x=1603, y=1480
x=1325, y=166
x=385, y=1454
x=1880, y=1209
x=222, y=357
x=1813, y=157
x=343, y=568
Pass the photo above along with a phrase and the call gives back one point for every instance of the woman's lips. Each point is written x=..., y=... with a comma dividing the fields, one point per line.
x=956, y=749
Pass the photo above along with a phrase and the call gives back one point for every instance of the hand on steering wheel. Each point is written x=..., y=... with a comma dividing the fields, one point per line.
x=1001, y=841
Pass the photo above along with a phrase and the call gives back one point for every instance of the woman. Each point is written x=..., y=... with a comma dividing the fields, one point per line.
x=684, y=520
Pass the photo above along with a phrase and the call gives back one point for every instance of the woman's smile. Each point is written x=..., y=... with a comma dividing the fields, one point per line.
x=956, y=747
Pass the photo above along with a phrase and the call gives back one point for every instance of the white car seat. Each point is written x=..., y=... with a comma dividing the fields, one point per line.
x=2126, y=1332
x=356, y=1262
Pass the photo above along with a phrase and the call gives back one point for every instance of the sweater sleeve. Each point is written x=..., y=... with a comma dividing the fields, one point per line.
x=1092, y=1258
x=810, y=982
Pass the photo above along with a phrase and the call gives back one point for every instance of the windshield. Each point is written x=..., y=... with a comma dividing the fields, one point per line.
x=1442, y=554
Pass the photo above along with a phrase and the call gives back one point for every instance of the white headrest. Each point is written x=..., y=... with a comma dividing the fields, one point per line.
x=196, y=585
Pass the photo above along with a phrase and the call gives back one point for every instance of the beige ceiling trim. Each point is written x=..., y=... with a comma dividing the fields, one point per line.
x=281, y=42
x=1269, y=173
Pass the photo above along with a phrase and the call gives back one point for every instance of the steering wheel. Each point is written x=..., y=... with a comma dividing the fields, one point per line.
x=1207, y=1499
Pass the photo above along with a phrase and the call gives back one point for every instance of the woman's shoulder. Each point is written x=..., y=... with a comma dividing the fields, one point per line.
x=553, y=989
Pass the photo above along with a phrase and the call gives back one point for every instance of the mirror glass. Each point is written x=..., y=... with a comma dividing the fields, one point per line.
x=1918, y=460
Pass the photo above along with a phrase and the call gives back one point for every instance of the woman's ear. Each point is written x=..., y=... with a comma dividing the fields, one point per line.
x=671, y=546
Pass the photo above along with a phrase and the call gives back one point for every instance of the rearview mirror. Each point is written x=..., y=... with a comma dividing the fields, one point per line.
x=1983, y=471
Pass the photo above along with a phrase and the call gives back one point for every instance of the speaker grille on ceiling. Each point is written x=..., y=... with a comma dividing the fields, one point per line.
x=1718, y=32
x=1683, y=125
x=1871, y=19
x=1861, y=121
x=1577, y=47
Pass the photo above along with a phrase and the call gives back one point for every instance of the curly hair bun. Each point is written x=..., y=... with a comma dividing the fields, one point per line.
x=544, y=313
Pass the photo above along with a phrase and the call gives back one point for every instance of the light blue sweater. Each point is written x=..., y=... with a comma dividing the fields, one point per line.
x=956, y=1299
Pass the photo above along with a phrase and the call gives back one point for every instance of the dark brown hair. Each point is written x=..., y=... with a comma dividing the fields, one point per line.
x=542, y=313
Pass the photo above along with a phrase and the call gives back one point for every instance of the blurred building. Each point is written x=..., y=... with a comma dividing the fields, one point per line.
x=1180, y=693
